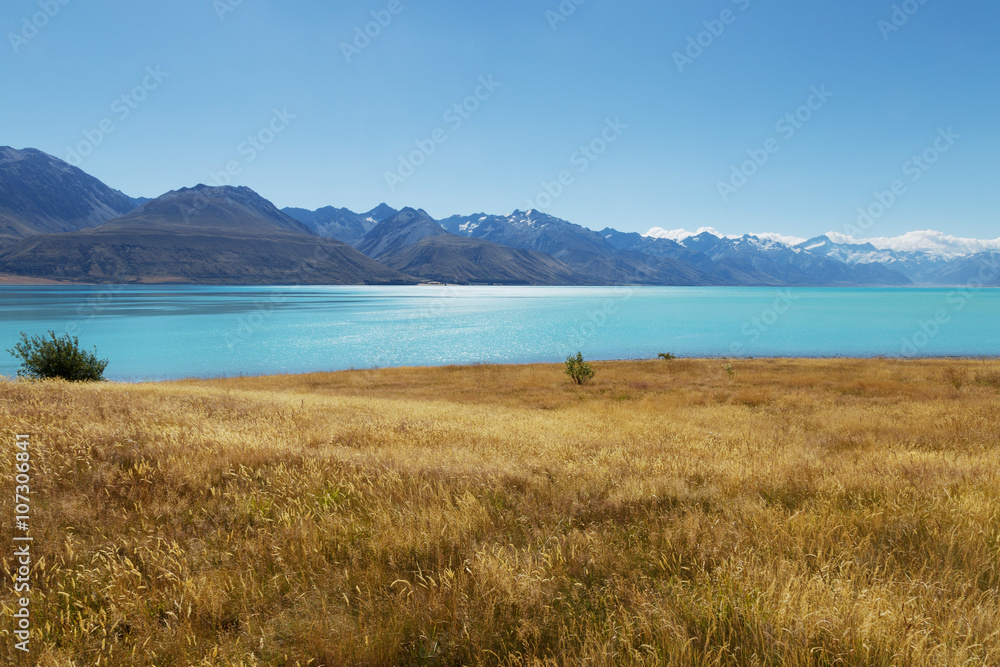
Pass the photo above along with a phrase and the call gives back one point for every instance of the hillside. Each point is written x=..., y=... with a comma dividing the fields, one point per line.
x=455, y=259
x=804, y=512
x=40, y=194
x=222, y=235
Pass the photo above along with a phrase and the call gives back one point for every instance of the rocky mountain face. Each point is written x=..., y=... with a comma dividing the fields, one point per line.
x=40, y=194
x=583, y=250
x=399, y=231
x=414, y=243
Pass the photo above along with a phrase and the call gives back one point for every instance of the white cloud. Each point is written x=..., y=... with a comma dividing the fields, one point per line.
x=781, y=238
x=680, y=234
x=927, y=240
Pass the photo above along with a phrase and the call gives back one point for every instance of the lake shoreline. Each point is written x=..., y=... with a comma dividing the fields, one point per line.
x=558, y=366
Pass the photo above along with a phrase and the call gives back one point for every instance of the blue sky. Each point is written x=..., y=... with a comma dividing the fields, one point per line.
x=332, y=122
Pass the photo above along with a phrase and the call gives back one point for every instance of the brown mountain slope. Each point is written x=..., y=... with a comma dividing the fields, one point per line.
x=40, y=194
x=456, y=259
x=198, y=235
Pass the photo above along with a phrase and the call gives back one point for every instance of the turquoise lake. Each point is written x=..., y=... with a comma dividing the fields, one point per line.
x=156, y=332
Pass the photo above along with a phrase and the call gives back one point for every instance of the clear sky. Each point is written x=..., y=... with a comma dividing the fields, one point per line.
x=668, y=129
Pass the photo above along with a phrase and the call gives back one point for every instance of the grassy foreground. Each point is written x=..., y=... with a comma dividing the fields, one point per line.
x=804, y=512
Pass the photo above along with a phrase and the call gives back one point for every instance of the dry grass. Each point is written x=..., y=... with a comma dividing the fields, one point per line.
x=806, y=512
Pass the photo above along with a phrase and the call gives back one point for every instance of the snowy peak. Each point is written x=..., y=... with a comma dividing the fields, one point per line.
x=399, y=231
x=928, y=244
x=704, y=242
x=824, y=245
x=921, y=258
x=379, y=213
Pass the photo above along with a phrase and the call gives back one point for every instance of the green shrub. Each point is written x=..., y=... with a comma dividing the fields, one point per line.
x=578, y=369
x=666, y=356
x=60, y=357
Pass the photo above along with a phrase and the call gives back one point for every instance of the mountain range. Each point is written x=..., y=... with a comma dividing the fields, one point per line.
x=412, y=242
x=59, y=223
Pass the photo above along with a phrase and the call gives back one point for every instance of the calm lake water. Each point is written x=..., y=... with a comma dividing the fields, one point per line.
x=173, y=332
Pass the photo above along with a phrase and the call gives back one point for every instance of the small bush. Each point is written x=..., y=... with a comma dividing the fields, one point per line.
x=578, y=369
x=730, y=372
x=60, y=357
x=666, y=356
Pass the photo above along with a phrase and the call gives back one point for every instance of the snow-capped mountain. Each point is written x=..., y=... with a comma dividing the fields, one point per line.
x=582, y=249
x=921, y=258
x=753, y=260
x=927, y=241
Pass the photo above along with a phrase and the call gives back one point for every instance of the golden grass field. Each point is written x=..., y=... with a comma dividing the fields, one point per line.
x=803, y=512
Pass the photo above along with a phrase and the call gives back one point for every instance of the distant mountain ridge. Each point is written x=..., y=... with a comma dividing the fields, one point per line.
x=341, y=223
x=751, y=260
x=582, y=249
x=397, y=232
x=58, y=223
x=414, y=243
